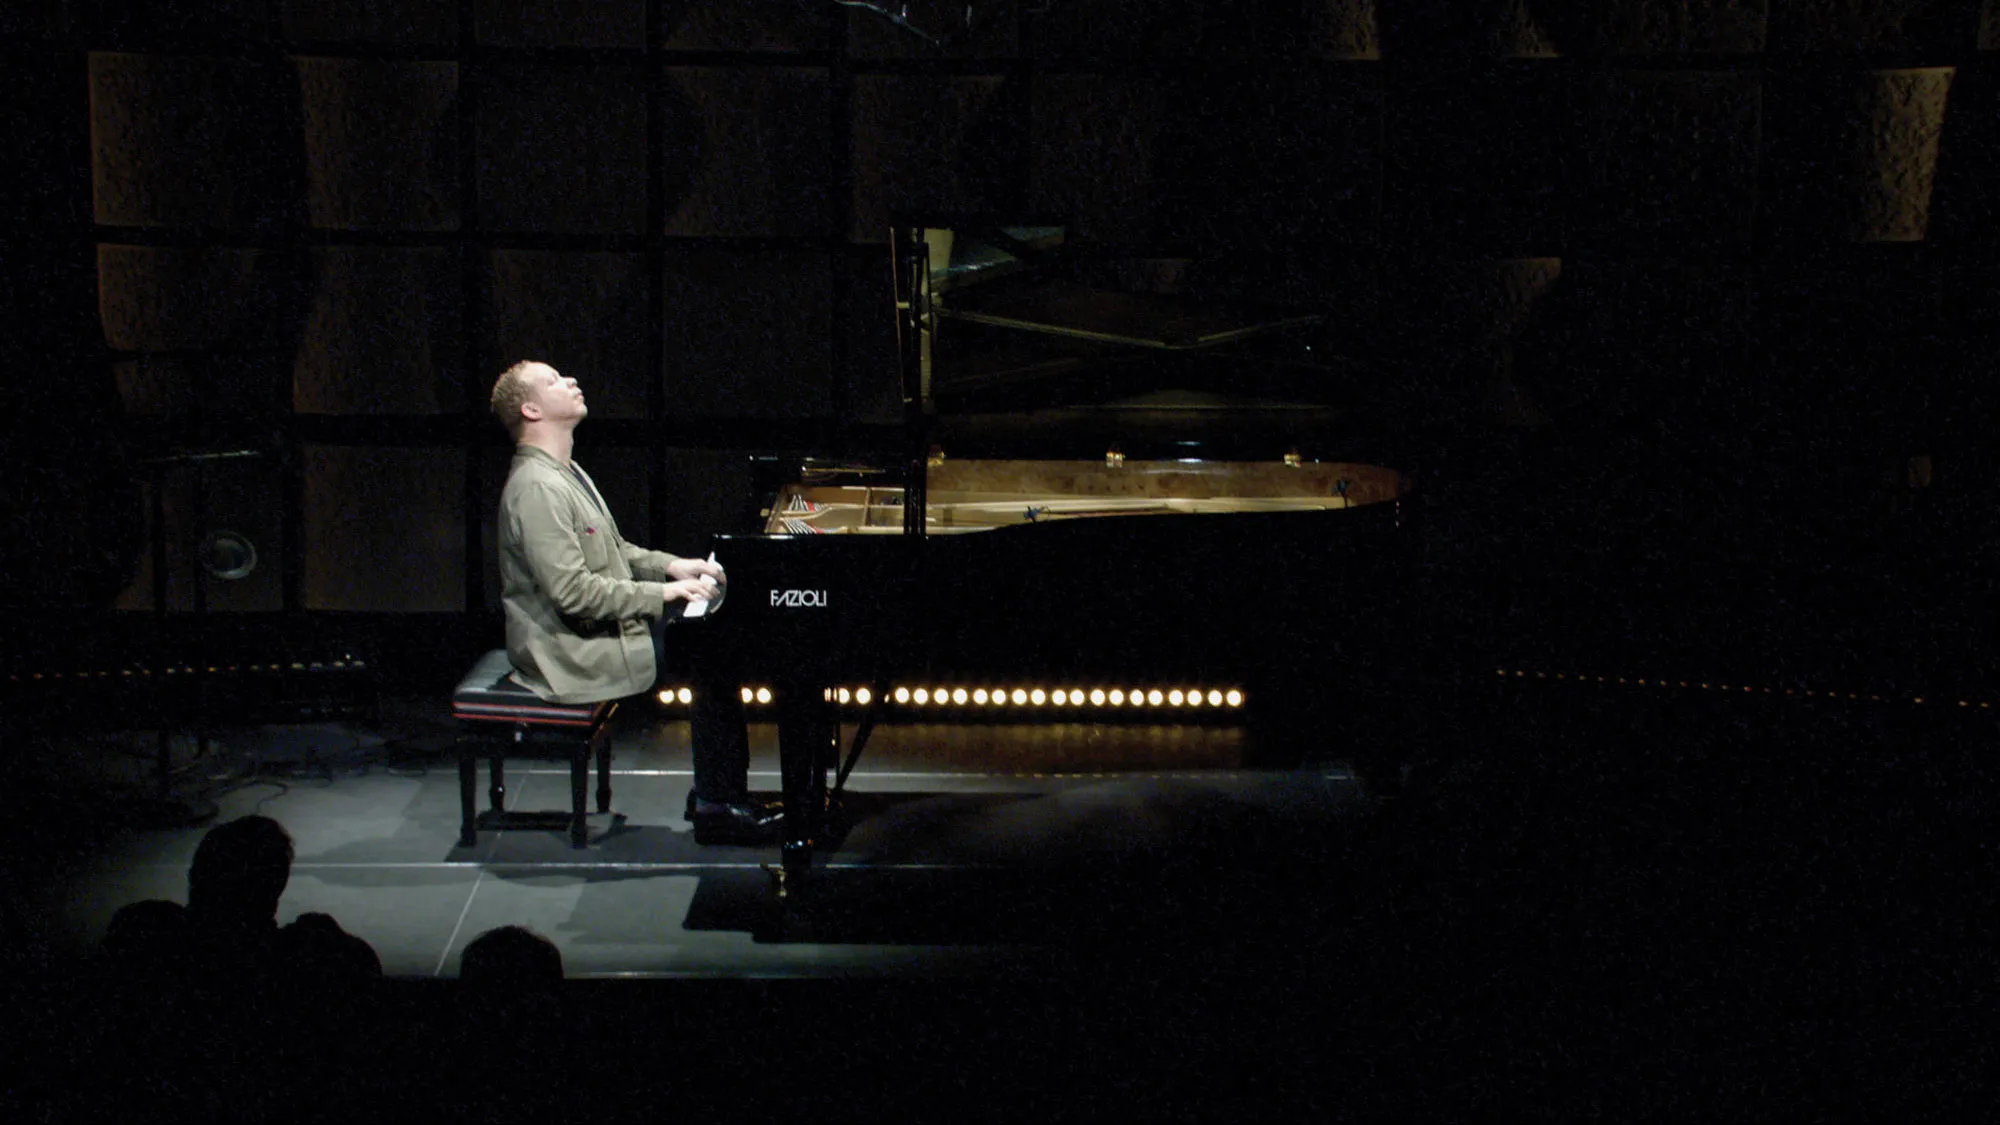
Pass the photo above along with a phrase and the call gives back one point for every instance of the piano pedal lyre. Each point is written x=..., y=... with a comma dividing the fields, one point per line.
x=791, y=875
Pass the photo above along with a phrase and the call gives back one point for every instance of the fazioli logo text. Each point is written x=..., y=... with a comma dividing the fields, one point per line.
x=796, y=598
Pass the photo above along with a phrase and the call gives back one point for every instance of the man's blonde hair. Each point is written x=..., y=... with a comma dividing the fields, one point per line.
x=510, y=390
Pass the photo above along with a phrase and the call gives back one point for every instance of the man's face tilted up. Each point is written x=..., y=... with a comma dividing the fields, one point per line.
x=553, y=398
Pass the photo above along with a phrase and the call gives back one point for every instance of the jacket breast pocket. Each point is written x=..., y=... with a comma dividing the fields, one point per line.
x=597, y=549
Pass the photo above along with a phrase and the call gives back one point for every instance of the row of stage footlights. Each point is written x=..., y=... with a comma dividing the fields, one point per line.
x=1185, y=699
x=1730, y=689
x=349, y=664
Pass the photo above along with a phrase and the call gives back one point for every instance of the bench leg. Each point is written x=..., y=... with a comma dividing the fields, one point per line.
x=497, y=792
x=468, y=805
x=579, y=781
x=603, y=773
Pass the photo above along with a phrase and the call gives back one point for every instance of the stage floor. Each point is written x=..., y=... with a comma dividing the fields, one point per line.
x=1685, y=902
x=970, y=845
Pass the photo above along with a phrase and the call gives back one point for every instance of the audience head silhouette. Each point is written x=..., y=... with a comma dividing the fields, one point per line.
x=240, y=871
x=511, y=957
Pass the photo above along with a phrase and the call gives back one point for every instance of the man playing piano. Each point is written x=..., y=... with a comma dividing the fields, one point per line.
x=588, y=613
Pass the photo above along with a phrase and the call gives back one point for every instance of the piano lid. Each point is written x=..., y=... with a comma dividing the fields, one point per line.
x=1019, y=343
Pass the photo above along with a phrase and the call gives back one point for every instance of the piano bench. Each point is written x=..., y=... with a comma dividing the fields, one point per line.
x=498, y=718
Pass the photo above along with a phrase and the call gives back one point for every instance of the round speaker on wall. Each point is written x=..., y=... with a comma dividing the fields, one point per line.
x=228, y=555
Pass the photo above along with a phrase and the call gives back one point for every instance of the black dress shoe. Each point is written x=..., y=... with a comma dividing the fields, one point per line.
x=754, y=802
x=736, y=824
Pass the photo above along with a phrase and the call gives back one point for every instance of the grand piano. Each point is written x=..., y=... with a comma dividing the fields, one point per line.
x=1109, y=485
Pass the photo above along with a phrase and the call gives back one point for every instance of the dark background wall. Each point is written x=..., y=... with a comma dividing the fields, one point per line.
x=1722, y=258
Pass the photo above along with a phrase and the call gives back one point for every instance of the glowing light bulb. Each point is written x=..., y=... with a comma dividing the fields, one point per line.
x=844, y=695
x=922, y=696
x=667, y=696
x=979, y=695
x=1097, y=697
x=1038, y=697
x=1174, y=697
x=1153, y=697
x=1117, y=697
x=1060, y=696
x=959, y=696
x=1019, y=697
x=686, y=695
x=1194, y=697
x=1214, y=697
x=1234, y=698
x=902, y=695
x=763, y=695
x=749, y=696
x=863, y=695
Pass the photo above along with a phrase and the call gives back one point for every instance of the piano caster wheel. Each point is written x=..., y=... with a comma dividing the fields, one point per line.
x=793, y=874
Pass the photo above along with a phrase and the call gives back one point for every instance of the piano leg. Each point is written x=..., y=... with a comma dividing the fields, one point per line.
x=807, y=749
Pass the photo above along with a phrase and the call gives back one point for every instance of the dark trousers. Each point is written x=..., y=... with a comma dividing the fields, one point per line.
x=699, y=654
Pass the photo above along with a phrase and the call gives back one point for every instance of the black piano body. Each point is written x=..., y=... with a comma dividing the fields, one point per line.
x=1105, y=478
x=1257, y=580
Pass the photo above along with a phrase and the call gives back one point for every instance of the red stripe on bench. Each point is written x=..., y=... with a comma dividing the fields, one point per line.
x=524, y=714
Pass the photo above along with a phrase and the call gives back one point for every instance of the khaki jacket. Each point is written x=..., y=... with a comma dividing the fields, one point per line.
x=579, y=599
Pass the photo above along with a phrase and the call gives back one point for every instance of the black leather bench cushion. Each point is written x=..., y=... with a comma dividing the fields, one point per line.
x=489, y=694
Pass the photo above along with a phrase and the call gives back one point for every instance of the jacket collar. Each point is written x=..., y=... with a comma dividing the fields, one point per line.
x=537, y=453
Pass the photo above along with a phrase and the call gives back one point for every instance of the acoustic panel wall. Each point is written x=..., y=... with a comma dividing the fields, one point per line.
x=1343, y=29
x=1672, y=159
x=1448, y=325
x=227, y=25
x=1479, y=158
x=747, y=151
x=1471, y=303
x=867, y=380
x=220, y=318
x=928, y=29
x=384, y=335
x=1095, y=155
x=229, y=321
x=31, y=20
x=156, y=388
x=1965, y=207
x=560, y=23
x=1681, y=27
x=1930, y=27
x=1853, y=153
x=1618, y=338
x=583, y=313
x=384, y=529
x=1101, y=32
x=169, y=298
x=561, y=150
x=381, y=142
x=730, y=25
x=385, y=22
x=1844, y=347
x=747, y=332
x=1477, y=29
x=194, y=141
x=1277, y=159
x=923, y=143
